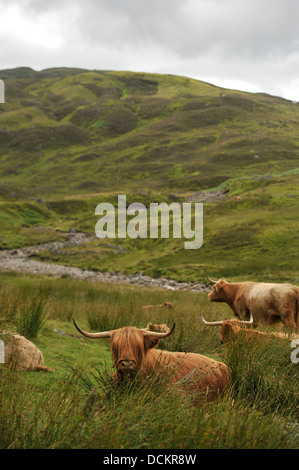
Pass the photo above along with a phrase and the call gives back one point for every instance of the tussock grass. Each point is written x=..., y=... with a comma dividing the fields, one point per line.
x=90, y=411
x=109, y=318
x=31, y=316
x=9, y=303
x=264, y=375
x=36, y=420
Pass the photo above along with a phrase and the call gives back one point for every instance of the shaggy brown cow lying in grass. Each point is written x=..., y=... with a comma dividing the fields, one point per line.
x=232, y=329
x=22, y=354
x=133, y=350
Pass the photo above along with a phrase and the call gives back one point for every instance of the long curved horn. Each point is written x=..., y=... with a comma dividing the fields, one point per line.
x=211, y=280
x=211, y=323
x=250, y=321
x=155, y=334
x=107, y=334
x=103, y=334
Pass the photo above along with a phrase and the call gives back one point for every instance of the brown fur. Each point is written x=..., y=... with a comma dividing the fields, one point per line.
x=22, y=354
x=160, y=328
x=164, y=304
x=268, y=302
x=207, y=376
x=232, y=329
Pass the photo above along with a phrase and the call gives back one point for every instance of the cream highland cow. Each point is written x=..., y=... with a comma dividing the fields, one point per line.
x=21, y=354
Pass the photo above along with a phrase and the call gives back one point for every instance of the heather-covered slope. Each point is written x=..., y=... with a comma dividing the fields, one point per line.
x=67, y=131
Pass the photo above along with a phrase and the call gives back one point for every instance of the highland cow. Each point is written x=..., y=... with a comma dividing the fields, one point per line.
x=133, y=350
x=22, y=354
x=268, y=302
x=233, y=329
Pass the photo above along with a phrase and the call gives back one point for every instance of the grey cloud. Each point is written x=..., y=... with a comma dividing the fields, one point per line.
x=245, y=41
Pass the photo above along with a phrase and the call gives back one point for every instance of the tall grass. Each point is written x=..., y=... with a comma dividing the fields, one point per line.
x=88, y=410
x=109, y=317
x=31, y=316
x=37, y=420
x=264, y=375
x=27, y=315
x=9, y=304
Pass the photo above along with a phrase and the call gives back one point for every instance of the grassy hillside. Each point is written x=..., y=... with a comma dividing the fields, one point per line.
x=73, y=132
x=72, y=138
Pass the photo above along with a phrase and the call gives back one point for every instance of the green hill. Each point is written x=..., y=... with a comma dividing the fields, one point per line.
x=71, y=138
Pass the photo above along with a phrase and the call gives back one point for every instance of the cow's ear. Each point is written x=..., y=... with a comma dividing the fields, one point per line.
x=150, y=342
x=220, y=284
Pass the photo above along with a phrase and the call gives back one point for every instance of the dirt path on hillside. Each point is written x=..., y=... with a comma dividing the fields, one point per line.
x=19, y=260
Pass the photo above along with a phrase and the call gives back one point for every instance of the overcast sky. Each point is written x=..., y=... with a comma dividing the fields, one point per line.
x=250, y=45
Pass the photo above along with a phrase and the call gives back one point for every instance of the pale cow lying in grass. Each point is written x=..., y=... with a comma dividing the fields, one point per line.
x=22, y=354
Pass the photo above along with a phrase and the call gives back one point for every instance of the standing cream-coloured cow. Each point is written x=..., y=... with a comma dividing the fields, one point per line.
x=268, y=302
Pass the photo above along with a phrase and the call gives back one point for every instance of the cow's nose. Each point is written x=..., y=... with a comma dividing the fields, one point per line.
x=127, y=364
